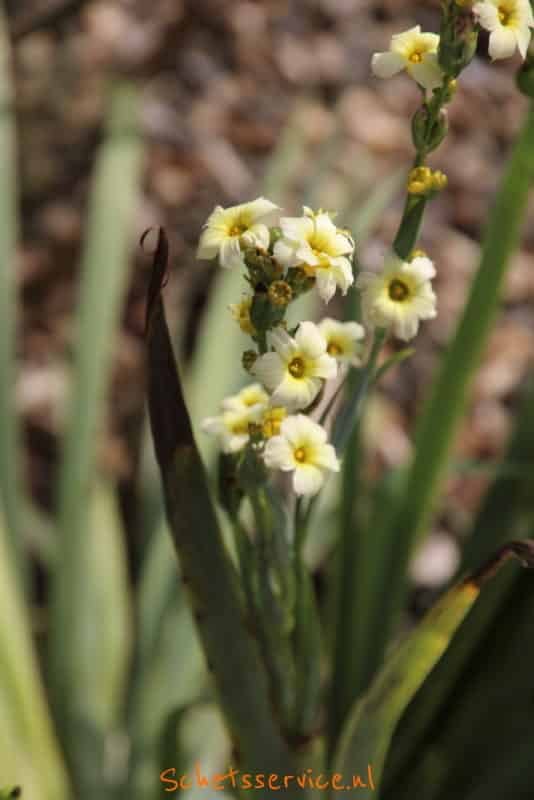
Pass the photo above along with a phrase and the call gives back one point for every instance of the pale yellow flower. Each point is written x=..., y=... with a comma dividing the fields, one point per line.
x=343, y=340
x=399, y=296
x=229, y=230
x=302, y=448
x=509, y=23
x=415, y=52
x=313, y=243
x=295, y=369
x=239, y=412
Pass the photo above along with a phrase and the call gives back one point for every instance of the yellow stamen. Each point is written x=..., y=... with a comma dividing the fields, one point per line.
x=237, y=230
x=334, y=349
x=272, y=422
x=240, y=428
x=416, y=57
x=297, y=367
x=398, y=290
x=300, y=455
x=504, y=16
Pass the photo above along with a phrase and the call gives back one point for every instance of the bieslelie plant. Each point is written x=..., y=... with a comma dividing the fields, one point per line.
x=284, y=434
x=292, y=566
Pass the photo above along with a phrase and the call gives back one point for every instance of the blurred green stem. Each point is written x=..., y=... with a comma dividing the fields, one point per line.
x=9, y=445
x=443, y=410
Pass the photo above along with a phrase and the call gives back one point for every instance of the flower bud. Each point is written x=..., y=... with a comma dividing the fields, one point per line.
x=280, y=293
x=427, y=137
x=263, y=314
x=458, y=39
x=439, y=181
x=417, y=253
x=248, y=359
x=419, y=180
x=423, y=181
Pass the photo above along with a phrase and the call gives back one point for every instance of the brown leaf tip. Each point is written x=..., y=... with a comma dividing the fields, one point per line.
x=522, y=550
x=160, y=260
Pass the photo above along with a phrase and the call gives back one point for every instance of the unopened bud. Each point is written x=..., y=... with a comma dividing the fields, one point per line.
x=423, y=181
x=428, y=136
x=248, y=359
x=419, y=180
x=280, y=293
x=418, y=253
x=439, y=181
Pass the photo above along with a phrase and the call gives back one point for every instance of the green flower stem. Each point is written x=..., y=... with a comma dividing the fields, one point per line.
x=275, y=610
x=10, y=489
x=444, y=407
x=410, y=225
x=230, y=649
x=429, y=139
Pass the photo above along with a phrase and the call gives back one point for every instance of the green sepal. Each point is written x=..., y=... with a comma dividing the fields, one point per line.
x=428, y=136
x=263, y=314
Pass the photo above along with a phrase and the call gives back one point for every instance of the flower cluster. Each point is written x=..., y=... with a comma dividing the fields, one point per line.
x=429, y=59
x=310, y=246
x=283, y=257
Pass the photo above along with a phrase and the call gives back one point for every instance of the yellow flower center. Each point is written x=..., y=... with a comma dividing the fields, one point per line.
x=504, y=15
x=398, y=291
x=297, y=367
x=300, y=455
x=237, y=229
x=240, y=428
x=416, y=57
x=334, y=349
x=272, y=422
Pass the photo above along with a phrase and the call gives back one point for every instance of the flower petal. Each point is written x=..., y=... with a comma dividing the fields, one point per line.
x=307, y=480
x=325, y=367
x=262, y=210
x=487, y=15
x=427, y=73
x=385, y=65
x=310, y=340
x=278, y=454
x=523, y=36
x=282, y=342
x=270, y=369
x=423, y=268
x=296, y=394
x=230, y=255
x=326, y=458
x=326, y=284
x=502, y=44
x=209, y=243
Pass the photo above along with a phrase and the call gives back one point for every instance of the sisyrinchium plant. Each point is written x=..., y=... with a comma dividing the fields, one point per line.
x=298, y=414
x=314, y=691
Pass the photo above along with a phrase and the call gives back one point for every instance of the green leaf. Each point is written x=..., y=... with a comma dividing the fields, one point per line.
x=10, y=490
x=29, y=753
x=77, y=622
x=237, y=670
x=367, y=735
x=484, y=717
x=443, y=410
x=510, y=494
x=508, y=505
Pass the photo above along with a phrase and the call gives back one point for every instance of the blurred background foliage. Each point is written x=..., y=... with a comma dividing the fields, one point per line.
x=119, y=116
